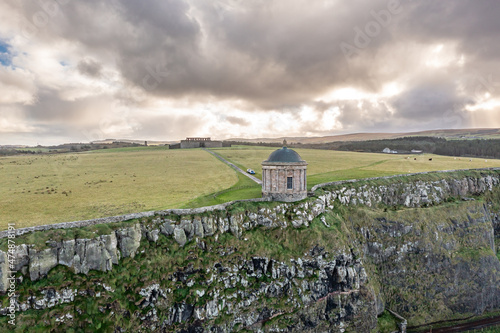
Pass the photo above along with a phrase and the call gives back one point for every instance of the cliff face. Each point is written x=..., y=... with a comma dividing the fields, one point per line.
x=432, y=262
x=331, y=263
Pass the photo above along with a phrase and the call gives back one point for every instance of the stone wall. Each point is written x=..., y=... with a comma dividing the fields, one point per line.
x=286, y=197
x=213, y=144
x=190, y=144
x=199, y=144
x=274, y=181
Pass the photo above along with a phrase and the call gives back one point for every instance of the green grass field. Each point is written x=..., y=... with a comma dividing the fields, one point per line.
x=328, y=165
x=36, y=149
x=45, y=189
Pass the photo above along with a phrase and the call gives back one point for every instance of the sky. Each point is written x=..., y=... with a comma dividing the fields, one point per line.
x=79, y=71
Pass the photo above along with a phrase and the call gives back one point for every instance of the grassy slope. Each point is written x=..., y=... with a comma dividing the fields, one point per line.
x=56, y=188
x=245, y=188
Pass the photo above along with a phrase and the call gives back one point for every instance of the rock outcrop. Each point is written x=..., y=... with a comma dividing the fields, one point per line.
x=48, y=298
x=4, y=269
x=180, y=236
x=41, y=262
x=409, y=194
x=129, y=240
x=82, y=255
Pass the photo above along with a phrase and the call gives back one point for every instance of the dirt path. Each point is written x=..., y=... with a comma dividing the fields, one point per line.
x=255, y=179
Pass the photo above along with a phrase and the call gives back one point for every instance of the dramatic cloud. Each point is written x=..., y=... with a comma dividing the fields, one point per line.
x=164, y=70
x=90, y=68
x=237, y=121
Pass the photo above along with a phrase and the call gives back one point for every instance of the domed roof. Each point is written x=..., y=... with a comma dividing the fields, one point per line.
x=284, y=155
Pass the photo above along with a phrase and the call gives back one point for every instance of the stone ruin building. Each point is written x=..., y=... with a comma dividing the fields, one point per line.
x=199, y=143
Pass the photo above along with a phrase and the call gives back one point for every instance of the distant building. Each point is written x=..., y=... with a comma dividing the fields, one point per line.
x=198, y=143
x=415, y=151
x=389, y=151
x=284, y=176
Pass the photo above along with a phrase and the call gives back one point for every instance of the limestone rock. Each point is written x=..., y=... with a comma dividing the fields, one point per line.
x=111, y=243
x=153, y=235
x=4, y=269
x=223, y=225
x=181, y=312
x=198, y=228
x=41, y=262
x=50, y=298
x=180, y=236
x=96, y=257
x=67, y=253
x=129, y=240
x=151, y=295
x=167, y=229
x=21, y=257
x=209, y=225
x=94, y=254
x=234, y=225
x=187, y=225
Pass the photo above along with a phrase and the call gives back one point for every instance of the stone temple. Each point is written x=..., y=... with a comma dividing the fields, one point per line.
x=284, y=176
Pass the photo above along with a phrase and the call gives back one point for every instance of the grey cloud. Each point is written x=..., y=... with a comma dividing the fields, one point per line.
x=237, y=121
x=368, y=117
x=168, y=126
x=90, y=68
x=50, y=108
x=473, y=24
x=428, y=100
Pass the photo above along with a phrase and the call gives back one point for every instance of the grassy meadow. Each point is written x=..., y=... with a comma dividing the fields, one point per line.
x=49, y=188
x=44, y=189
x=329, y=165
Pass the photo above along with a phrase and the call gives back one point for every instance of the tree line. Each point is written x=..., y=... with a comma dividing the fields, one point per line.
x=487, y=148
